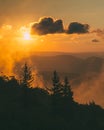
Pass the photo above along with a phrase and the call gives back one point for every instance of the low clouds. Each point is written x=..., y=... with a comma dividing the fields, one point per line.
x=47, y=26
x=79, y=28
x=95, y=40
x=50, y=26
x=99, y=33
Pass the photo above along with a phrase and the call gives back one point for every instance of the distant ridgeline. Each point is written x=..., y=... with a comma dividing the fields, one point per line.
x=23, y=107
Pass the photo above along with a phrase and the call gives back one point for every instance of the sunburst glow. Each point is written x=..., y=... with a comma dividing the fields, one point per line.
x=26, y=36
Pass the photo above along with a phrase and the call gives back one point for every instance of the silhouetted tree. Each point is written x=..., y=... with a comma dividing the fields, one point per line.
x=26, y=83
x=8, y=81
x=12, y=82
x=2, y=81
x=26, y=76
x=67, y=92
x=56, y=96
x=67, y=96
x=57, y=87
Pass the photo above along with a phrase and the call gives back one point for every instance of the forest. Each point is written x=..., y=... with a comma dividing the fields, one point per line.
x=27, y=107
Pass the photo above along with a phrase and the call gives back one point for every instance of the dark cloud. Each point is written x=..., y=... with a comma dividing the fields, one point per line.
x=95, y=40
x=50, y=26
x=47, y=26
x=79, y=28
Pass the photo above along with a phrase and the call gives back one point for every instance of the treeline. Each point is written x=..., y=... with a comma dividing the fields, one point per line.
x=23, y=107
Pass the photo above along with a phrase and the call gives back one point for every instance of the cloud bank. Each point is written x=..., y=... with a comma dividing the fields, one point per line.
x=50, y=26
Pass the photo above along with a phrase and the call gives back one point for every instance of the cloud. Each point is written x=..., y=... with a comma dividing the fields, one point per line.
x=95, y=40
x=99, y=33
x=79, y=28
x=47, y=26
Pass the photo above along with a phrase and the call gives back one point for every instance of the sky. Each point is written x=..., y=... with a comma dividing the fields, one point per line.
x=24, y=11
x=17, y=17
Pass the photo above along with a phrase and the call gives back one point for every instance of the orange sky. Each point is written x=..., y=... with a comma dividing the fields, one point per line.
x=20, y=40
x=16, y=17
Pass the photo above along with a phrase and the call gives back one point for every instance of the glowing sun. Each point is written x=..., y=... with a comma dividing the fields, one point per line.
x=26, y=36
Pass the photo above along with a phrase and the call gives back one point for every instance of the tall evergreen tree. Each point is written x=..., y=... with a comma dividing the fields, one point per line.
x=57, y=87
x=56, y=93
x=67, y=92
x=26, y=83
x=27, y=77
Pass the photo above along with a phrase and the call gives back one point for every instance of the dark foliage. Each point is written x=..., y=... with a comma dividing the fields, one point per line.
x=26, y=76
x=25, y=108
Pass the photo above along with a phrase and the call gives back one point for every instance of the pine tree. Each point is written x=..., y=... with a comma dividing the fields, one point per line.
x=56, y=89
x=26, y=83
x=27, y=77
x=67, y=93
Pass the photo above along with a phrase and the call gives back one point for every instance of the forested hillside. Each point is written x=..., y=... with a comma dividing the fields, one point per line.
x=27, y=107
